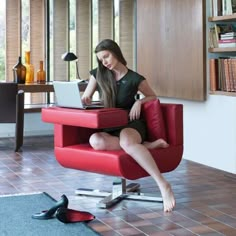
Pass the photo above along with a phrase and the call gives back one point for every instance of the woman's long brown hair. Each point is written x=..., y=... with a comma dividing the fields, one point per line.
x=105, y=77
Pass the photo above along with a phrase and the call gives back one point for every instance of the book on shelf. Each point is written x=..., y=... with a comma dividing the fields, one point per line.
x=234, y=6
x=226, y=43
x=222, y=74
x=213, y=42
x=232, y=73
x=227, y=40
x=227, y=7
x=213, y=36
x=229, y=35
x=213, y=69
x=216, y=6
x=233, y=70
x=223, y=7
x=219, y=32
x=222, y=35
x=227, y=75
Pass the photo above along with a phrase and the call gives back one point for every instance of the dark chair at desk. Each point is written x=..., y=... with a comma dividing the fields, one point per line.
x=12, y=110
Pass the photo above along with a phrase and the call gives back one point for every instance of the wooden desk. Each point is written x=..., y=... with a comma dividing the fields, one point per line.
x=41, y=88
x=44, y=88
x=36, y=88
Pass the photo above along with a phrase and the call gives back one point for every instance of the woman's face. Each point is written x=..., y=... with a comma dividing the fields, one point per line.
x=107, y=59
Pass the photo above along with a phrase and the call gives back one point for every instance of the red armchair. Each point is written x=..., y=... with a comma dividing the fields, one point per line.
x=73, y=128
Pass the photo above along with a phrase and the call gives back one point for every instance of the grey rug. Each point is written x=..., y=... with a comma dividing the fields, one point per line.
x=16, y=212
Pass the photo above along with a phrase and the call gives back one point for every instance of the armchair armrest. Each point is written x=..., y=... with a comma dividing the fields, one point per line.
x=95, y=118
x=74, y=126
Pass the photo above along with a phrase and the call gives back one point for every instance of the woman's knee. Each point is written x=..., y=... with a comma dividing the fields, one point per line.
x=129, y=137
x=97, y=141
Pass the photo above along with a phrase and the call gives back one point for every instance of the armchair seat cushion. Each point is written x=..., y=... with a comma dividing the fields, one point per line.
x=114, y=163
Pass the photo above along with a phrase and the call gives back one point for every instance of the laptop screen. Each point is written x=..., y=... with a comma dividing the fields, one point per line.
x=68, y=95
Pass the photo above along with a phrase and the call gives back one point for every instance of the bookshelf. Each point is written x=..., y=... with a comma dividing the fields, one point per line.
x=232, y=94
x=212, y=50
x=223, y=51
x=222, y=18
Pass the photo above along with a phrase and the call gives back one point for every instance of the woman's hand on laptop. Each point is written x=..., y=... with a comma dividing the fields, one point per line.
x=86, y=100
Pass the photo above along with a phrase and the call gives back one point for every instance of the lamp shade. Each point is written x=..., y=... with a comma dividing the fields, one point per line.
x=69, y=56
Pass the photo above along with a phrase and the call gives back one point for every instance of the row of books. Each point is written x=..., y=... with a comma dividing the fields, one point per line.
x=223, y=7
x=222, y=74
x=222, y=35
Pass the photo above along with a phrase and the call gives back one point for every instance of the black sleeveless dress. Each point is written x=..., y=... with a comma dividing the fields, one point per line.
x=127, y=88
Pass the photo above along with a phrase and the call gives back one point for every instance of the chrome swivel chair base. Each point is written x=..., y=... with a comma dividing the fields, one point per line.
x=119, y=192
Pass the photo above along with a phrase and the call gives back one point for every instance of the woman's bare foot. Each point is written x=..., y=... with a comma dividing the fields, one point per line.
x=168, y=197
x=159, y=143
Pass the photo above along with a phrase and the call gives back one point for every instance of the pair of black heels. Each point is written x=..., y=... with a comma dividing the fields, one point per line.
x=61, y=211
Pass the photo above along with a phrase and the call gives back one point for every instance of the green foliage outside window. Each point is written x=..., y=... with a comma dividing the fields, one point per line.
x=2, y=40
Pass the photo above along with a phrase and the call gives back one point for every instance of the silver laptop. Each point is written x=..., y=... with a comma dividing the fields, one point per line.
x=68, y=95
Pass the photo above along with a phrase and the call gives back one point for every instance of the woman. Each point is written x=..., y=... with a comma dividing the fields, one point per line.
x=118, y=86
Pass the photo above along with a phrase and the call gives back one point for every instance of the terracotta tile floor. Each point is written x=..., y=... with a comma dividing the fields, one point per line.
x=206, y=197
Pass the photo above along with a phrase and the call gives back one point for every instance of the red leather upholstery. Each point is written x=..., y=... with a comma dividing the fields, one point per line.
x=74, y=127
x=94, y=118
x=152, y=113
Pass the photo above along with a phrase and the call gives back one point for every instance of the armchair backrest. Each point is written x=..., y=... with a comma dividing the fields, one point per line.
x=164, y=121
x=173, y=118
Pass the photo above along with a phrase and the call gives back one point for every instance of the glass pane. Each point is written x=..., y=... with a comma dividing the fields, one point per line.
x=72, y=38
x=25, y=36
x=116, y=20
x=2, y=39
x=50, y=46
x=52, y=96
x=94, y=31
x=25, y=25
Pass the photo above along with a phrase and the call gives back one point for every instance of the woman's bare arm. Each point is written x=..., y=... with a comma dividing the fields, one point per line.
x=89, y=91
x=147, y=91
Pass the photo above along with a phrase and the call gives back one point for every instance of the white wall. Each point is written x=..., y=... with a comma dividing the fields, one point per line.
x=33, y=125
x=210, y=131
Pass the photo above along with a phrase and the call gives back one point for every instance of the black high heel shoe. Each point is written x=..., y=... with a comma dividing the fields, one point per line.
x=66, y=215
x=48, y=214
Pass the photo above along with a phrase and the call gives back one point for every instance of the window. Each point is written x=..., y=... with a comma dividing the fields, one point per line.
x=25, y=28
x=94, y=30
x=2, y=39
x=49, y=28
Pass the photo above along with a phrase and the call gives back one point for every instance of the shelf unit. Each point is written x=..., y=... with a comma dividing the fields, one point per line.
x=228, y=18
x=212, y=50
x=232, y=94
x=222, y=18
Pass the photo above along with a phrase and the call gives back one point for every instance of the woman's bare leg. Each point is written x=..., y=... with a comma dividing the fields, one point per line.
x=159, y=143
x=104, y=141
x=130, y=141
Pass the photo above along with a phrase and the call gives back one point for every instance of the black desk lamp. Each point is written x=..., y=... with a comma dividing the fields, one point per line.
x=70, y=56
